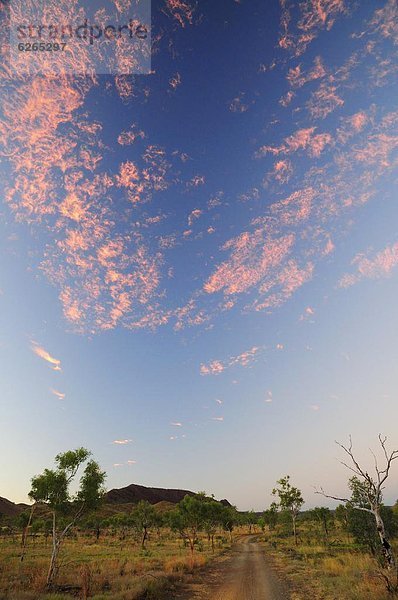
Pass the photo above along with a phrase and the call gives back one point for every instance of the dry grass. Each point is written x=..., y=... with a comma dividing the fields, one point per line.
x=323, y=572
x=109, y=569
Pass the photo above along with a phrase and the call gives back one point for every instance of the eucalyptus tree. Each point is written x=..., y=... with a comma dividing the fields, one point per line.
x=270, y=516
x=143, y=518
x=324, y=517
x=188, y=519
x=290, y=499
x=53, y=489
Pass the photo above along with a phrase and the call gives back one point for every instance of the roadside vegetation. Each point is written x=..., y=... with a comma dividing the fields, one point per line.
x=73, y=544
x=348, y=552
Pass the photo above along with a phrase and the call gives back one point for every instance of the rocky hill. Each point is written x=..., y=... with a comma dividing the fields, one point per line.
x=134, y=493
x=9, y=509
x=121, y=500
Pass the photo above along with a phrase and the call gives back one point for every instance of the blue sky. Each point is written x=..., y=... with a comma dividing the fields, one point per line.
x=207, y=256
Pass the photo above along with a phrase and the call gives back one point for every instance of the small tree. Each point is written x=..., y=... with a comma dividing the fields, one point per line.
x=52, y=488
x=270, y=516
x=23, y=521
x=188, y=519
x=323, y=516
x=229, y=519
x=290, y=499
x=212, y=518
x=250, y=519
x=341, y=514
x=93, y=522
x=143, y=518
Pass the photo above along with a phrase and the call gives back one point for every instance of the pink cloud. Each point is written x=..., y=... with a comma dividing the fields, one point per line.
x=380, y=265
x=127, y=138
x=181, y=10
x=297, y=78
x=303, y=139
x=302, y=23
x=324, y=101
x=55, y=363
x=175, y=81
x=59, y=395
x=217, y=366
x=252, y=257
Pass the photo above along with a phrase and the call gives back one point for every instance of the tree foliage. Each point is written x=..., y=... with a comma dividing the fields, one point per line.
x=290, y=499
x=53, y=488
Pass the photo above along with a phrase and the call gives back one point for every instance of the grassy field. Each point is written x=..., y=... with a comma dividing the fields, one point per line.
x=118, y=569
x=338, y=570
x=110, y=568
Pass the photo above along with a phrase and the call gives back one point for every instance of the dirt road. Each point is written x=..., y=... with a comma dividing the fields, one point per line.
x=242, y=574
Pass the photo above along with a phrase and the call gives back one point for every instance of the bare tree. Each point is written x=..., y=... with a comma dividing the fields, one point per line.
x=372, y=487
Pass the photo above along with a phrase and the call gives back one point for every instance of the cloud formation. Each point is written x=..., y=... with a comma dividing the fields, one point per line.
x=380, y=265
x=54, y=363
x=245, y=359
x=59, y=395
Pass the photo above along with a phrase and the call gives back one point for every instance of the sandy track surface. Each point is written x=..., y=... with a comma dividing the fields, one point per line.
x=242, y=574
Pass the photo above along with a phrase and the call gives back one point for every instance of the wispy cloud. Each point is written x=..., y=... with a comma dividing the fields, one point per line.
x=42, y=353
x=58, y=394
x=245, y=359
x=301, y=24
x=181, y=10
x=377, y=266
x=238, y=104
x=302, y=139
x=308, y=314
x=122, y=442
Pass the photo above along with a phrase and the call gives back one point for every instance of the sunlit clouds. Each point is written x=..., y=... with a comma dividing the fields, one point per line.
x=372, y=266
x=115, y=221
x=216, y=367
x=127, y=463
x=54, y=363
x=57, y=394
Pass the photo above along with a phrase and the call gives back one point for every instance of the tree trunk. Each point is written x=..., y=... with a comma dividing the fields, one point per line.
x=25, y=534
x=294, y=528
x=53, y=566
x=144, y=537
x=54, y=555
x=386, y=547
x=192, y=549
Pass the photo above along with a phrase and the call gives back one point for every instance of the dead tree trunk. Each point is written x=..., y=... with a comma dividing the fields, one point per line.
x=385, y=544
x=372, y=493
